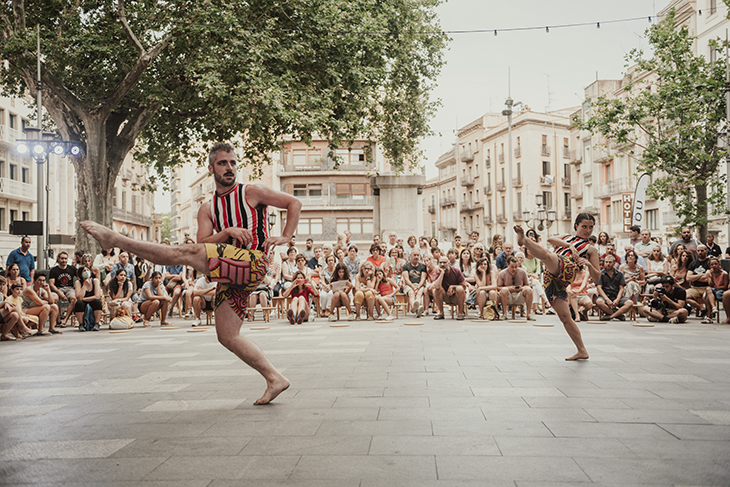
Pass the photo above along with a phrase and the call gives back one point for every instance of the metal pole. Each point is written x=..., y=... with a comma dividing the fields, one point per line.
x=39, y=212
x=727, y=129
x=508, y=183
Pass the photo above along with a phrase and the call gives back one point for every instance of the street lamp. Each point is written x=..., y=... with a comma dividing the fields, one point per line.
x=540, y=218
x=39, y=145
x=272, y=219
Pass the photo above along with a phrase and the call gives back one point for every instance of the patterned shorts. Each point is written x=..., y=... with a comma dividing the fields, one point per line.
x=556, y=286
x=237, y=272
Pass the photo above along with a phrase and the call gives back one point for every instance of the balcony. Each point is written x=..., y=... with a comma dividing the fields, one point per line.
x=566, y=182
x=466, y=206
x=545, y=150
x=547, y=180
x=500, y=158
x=129, y=217
x=488, y=189
x=17, y=190
x=576, y=190
x=125, y=175
x=576, y=157
x=488, y=163
x=467, y=180
x=197, y=192
x=445, y=227
x=517, y=216
x=478, y=204
x=670, y=218
x=432, y=209
x=334, y=200
x=517, y=181
x=501, y=186
x=321, y=165
x=488, y=219
x=518, y=151
x=501, y=218
x=447, y=202
x=612, y=188
x=9, y=135
x=467, y=156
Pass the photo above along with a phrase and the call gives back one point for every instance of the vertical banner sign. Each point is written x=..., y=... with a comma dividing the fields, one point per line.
x=626, y=211
x=637, y=214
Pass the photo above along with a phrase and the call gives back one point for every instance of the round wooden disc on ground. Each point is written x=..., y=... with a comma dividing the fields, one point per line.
x=643, y=325
x=339, y=325
x=260, y=327
x=169, y=328
x=597, y=322
x=516, y=321
x=544, y=325
x=481, y=321
x=413, y=324
x=196, y=330
x=383, y=321
x=119, y=331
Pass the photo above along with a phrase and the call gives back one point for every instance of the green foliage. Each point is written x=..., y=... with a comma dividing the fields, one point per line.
x=668, y=117
x=165, y=232
x=335, y=69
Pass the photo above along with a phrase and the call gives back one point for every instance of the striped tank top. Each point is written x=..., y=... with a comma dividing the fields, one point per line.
x=580, y=244
x=231, y=209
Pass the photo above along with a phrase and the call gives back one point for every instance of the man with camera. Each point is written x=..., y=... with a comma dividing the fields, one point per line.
x=667, y=304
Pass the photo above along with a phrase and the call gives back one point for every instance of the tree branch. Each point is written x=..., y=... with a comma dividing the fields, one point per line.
x=136, y=123
x=127, y=29
x=133, y=76
x=19, y=13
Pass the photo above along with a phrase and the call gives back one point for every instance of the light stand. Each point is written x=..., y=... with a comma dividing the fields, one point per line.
x=540, y=218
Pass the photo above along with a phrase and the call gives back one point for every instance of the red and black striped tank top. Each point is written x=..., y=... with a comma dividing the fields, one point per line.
x=580, y=244
x=231, y=209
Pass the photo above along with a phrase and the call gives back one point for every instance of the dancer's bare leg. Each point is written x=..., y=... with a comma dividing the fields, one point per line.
x=193, y=254
x=549, y=259
x=563, y=310
x=228, y=328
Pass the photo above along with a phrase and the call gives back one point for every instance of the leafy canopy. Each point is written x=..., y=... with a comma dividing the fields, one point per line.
x=667, y=115
x=176, y=72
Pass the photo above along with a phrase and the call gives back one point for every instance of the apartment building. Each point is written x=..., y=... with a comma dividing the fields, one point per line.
x=440, y=218
x=334, y=199
x=133, y=210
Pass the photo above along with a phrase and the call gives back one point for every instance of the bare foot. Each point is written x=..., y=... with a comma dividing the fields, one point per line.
x=273, y=389
x=579, y=356
x=520, y=235
x=104, y=235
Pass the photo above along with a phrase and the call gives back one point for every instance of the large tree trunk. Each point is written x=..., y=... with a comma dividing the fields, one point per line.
x=701, y=192
x=95, y=183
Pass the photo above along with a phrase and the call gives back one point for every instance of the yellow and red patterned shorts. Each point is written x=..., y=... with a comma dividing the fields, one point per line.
x=556, y=286
x=237, y=272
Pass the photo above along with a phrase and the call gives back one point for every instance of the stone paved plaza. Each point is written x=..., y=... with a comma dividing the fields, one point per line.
x=446, y=404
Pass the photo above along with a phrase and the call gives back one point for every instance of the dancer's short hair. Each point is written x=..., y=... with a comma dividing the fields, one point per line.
x=218, y=147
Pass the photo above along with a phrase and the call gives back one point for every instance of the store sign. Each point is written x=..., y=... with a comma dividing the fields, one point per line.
x=627, y=211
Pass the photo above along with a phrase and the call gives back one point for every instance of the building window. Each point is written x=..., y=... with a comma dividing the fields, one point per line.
x=547, y=199
x=300, y=190
x=13, y=121
x=13, y=215
x=114, y=197
x=519, y=204
x=2, y=169
x=299, y=157
x=545, y=168
x=652, y=221
x=26, y=216
x=13, y=171
x=124, y=200
x=309, y=226
x=433, y=229
x=355, y=191
x=354, y=156
x=355, y=225
x=616, y=213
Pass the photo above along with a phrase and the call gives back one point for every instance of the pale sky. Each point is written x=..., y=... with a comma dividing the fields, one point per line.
x=474, y=79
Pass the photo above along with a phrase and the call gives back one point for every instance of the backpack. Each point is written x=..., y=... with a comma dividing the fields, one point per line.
x=490, y=310
x=88, y=321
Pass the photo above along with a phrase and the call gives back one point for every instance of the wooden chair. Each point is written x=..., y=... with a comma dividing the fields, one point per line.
x=279, y=302
x=401, y=302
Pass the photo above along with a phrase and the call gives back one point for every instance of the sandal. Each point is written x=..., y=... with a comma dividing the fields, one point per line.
x=55, y=332
x=708, y=321
x=146, y=324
